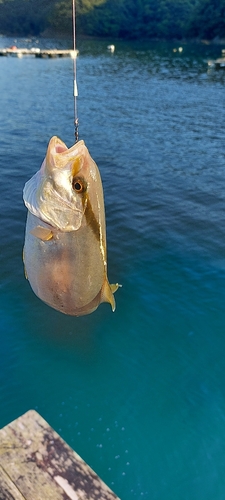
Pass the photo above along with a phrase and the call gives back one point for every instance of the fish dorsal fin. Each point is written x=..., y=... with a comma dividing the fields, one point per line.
x=43, y=233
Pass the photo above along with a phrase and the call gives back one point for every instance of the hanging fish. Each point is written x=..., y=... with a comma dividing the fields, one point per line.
x=65, y=241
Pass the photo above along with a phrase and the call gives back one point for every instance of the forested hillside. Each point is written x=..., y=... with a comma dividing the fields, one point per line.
x=132, y=19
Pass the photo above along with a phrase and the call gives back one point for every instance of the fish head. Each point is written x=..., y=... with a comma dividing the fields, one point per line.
x=66, y=188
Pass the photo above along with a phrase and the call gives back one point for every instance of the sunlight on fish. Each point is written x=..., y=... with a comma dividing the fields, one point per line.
x=65, y=242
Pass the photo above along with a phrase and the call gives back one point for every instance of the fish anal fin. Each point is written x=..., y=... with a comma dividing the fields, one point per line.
x=107, y=293
x=43, y=233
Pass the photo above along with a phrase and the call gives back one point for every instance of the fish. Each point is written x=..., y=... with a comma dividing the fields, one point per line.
x=64, y=254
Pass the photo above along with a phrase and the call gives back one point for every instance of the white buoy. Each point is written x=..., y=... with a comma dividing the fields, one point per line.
x=111, y=48
x=35, y=50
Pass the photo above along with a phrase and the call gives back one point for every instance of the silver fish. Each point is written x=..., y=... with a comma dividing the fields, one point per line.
x=65, y=241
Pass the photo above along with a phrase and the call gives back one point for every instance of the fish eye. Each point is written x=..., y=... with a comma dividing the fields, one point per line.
x=79, y=185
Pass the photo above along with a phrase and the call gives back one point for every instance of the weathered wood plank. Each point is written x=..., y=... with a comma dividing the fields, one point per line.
x=42, y=466
x=8, y=490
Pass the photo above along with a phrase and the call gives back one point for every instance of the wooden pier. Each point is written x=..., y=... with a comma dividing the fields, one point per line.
x=36, y=464
x=45, y=53
x=218, y=63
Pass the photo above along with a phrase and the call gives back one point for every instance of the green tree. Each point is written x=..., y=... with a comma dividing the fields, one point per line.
x=105, y=20
x=61, y=18
x=207, y=20
x=118, y=18
x=139, y=18
x=22, y=17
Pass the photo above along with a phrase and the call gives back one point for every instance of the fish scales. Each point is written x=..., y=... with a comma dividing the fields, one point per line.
x=65, y=240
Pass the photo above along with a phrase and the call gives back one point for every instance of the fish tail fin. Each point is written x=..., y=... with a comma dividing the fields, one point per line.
x=114, y=287
x=107, y=293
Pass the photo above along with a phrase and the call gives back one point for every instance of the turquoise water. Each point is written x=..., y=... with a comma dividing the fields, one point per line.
x=139, y=394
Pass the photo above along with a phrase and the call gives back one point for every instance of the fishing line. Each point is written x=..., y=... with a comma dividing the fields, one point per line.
x=75, y=91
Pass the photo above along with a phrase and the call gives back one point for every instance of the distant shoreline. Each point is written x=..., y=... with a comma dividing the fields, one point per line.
x=65, y=36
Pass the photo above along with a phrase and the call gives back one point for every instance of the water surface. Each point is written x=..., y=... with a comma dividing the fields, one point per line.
x=139, y=394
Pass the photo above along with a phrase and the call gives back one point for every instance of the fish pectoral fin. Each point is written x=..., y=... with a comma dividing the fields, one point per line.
x=43, y=233
x=107, y=293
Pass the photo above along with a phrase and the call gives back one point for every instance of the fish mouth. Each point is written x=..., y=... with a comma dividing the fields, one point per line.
x=59, y=147
x=56, y=146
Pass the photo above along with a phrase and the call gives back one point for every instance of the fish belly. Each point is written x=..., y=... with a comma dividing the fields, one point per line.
x=67, y=272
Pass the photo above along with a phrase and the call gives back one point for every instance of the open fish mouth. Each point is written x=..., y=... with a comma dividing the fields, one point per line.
x=59, y=148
